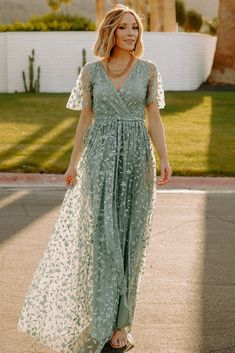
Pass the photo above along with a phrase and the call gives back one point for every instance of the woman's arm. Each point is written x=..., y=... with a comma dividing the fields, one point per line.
x=157, y=133
x=85, y=120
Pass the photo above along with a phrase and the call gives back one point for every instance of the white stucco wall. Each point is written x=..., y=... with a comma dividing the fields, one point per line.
x=184, y=59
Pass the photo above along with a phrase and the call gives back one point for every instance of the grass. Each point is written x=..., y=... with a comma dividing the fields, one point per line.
x=37, y=132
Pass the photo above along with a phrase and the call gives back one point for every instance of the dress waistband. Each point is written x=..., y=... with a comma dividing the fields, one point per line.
x=118, y=118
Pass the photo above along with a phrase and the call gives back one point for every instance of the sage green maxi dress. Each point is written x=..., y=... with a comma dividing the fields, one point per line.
x=88, y=279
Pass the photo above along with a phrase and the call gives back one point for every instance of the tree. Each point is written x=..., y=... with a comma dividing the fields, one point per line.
x=141, y=7
x=157, y=15
x=66, y=3
x=55, y=4
x=99, y=11
x=223, y=68
x=162, y=16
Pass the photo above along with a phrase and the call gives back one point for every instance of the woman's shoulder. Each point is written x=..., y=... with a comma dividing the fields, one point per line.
x=93, y=63
x=87, y=65
x=89, y=68
x=150, y=65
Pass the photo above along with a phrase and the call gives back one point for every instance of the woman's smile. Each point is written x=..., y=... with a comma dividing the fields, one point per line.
x=129, y=41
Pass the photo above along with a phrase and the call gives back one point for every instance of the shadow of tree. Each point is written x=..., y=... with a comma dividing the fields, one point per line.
x=43, y=114
x=25, y=208
x=218, y=275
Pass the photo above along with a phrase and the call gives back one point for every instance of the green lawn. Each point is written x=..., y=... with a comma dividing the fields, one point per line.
x=37, y=131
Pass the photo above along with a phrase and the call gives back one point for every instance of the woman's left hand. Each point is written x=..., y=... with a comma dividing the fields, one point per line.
x=165, y=172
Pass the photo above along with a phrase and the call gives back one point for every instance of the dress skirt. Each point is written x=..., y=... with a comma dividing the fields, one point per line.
x=87, y=281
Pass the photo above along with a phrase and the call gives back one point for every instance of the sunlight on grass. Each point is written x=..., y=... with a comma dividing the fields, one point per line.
x=37, y=132
x=65, y=148
x=188, y=137
x=193, y=134
x=44, y=139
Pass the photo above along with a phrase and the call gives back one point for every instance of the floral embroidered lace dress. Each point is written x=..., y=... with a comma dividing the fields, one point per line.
x=87, y=282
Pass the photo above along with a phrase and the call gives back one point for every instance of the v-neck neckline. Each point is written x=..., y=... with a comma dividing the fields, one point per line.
x=126, y=79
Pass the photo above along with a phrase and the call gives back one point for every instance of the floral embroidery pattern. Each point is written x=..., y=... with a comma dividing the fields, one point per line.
x=87, y=282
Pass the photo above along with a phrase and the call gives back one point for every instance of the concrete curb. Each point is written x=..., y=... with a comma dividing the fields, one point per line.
x=176, y=182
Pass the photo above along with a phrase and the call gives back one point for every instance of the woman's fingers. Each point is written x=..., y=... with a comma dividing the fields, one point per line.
x=68, y=180
x=165, y=175
x=71, y=179
x=161, y=182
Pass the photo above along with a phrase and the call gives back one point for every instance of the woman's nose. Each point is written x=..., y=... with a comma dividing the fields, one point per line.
x=131, y=32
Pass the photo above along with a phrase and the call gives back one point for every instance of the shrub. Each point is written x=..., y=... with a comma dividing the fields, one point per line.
x=52, y=22
x=193, y=21
x=211, y=25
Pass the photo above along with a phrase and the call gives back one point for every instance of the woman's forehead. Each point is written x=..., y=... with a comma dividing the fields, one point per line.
x=128, y=18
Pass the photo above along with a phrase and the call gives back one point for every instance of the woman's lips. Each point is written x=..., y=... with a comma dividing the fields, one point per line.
x=129, y=41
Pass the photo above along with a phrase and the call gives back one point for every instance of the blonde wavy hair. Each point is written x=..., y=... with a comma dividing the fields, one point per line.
x=106, y=38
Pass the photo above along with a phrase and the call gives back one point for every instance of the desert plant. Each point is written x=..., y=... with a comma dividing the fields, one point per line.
x=83, y=60
x=33, y=86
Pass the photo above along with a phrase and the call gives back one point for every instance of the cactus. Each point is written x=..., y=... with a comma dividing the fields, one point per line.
x=33, y=86
x=83, y=56
x=37, y=81
x=83, y=60
x=25, y=86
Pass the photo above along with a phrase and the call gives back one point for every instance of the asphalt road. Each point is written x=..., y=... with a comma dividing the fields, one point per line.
x=186, y=302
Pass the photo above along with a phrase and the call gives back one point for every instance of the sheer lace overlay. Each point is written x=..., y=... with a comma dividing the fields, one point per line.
x=155, y=88
x=81, y=94
x=87, y=282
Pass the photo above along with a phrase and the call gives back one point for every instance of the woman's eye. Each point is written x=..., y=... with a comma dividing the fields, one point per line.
x=125, y=27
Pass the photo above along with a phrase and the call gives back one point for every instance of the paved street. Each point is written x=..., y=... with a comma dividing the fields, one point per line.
x=186, y=302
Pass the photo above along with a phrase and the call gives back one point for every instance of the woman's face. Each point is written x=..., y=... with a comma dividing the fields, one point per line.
x=127, y=32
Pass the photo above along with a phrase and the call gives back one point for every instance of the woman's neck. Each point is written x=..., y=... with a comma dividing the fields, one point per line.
x=119, y=55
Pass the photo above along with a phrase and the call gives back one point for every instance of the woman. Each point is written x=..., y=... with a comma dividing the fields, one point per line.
x=84, y=291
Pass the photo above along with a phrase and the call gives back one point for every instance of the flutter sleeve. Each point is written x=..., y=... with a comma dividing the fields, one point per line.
x=155, y=91
x=81, y=94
